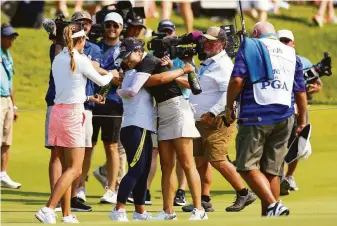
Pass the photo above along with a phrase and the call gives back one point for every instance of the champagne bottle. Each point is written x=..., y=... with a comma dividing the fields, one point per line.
x=104, y=91
x=194, y=83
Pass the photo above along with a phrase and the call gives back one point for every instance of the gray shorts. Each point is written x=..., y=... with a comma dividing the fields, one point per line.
x=263, y=147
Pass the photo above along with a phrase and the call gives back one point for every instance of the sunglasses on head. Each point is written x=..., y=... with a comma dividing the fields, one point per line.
x=285, y=40
x=110, y=25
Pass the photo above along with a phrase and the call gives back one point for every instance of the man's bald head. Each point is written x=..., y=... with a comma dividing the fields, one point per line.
x=261, y=28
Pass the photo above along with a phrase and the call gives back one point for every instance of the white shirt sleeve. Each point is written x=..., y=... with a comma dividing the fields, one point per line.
x=137, y=84
x=220, y=105
x=88, y=70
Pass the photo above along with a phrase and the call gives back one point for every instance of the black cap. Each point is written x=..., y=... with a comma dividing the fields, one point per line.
x=135, y=20
x=166, y=24
x=128, y=46
x=8, y=30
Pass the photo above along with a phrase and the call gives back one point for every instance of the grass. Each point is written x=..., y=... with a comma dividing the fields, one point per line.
x=314, y=204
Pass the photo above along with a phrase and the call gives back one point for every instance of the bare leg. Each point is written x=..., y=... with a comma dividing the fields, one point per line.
x=4, y=157
x=112, y=157
x=65, y=200
x=205, y=172
x=55, y=167
x=228, y=171
x=291, y=168
x=187, y=14
x=181, y=177
x=78, y=5
x=166, y=9
x=74, y=156
x=167, y=162
x=262, y=15
x=184, y=150
x=322, y=8
x=153, y=167
x=86, y=166
x=260, y=185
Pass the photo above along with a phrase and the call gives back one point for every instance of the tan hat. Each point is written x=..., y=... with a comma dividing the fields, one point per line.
x=80, y=15
x=215, y=33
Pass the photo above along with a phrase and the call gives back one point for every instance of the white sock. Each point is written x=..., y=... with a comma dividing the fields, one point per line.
x=3, y=173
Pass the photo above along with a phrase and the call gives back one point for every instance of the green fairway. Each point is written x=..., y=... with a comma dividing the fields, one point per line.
x=314, y=204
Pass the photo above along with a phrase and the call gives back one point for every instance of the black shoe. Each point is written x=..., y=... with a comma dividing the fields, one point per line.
x=206, y=205
x=180, y=198
x=78, y=206
x=148, y=198
x=241, y=202
x=130, y=198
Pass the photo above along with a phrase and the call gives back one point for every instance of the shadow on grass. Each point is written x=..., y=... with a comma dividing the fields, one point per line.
x=24, y=193
x=304, y=21
x=25, y=201
x=213, y=193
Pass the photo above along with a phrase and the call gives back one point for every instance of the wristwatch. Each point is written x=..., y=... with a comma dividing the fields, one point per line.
x=211, y=114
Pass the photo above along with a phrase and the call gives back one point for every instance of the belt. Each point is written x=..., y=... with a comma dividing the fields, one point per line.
x=5, y=96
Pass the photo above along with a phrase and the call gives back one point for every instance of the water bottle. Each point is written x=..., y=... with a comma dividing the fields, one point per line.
x=194, y=83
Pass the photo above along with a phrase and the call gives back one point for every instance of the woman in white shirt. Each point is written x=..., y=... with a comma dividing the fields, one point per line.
x=70, y=69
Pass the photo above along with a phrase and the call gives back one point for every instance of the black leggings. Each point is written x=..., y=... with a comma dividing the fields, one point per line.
x=137, y=143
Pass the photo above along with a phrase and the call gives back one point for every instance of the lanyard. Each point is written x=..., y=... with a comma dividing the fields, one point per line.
x=203, y=68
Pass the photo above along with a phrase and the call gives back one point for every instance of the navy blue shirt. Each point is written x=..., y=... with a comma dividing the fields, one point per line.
x=109, y=53
x=94, y=53
x=272, y=113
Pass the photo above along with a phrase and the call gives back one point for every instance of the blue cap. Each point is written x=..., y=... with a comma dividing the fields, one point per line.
x=166, y=24
x=7, y=30
x=128, y=46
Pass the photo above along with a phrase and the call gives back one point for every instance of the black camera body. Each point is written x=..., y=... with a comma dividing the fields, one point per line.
x=60, y=25
x=323, y=68
x=124, y=8
x=188, y=45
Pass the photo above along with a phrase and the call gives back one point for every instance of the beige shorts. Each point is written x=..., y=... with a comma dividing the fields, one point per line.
x=7, y=119
x=263, y=147
x=214, y=141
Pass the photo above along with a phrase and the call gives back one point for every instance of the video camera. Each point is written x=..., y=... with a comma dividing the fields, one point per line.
x=323, y=68
x=124, y=8
x=189, y=45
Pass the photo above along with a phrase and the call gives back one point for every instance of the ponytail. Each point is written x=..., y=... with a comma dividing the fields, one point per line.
x=67, y=33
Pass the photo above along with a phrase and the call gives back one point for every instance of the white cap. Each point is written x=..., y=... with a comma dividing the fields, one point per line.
x=286, y=34
x=116, y=17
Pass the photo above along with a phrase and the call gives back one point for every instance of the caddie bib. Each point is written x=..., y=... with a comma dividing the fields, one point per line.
x=278, y=90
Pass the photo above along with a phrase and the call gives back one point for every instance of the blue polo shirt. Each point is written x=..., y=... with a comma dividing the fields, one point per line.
x=109, y=54
x=94, y=53
x=7, y=72
x=272, y=113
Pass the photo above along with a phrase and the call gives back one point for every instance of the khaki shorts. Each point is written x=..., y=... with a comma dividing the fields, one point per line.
x=214, y=142
x=263, y=147
x=7, y=119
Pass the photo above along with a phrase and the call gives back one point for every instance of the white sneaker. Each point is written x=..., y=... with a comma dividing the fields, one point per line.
x=58, y=208
x=71, y=219
x=198, y=214
x=109, y=196
x=162, y=215
x=277, y=209
x=81, y=194
x=46, y=215
x=118, y=215
x=292, y=183
x=100, y=177
x=6, y=182
x=142, y=216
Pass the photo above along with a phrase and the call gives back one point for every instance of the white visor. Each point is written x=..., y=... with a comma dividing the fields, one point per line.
x=78, y=34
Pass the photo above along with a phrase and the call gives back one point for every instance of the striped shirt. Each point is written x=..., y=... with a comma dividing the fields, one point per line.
x=272, y=113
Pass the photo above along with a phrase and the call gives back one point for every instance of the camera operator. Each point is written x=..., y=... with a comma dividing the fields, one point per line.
x=288, y=182
x=110, y=126
x=66, y=130
x=176, y=127
x=134, y=25
x=212, y=147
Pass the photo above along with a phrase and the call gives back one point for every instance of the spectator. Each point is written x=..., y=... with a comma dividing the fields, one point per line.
x=256, y=9
x=319, y=17
x=8, y=109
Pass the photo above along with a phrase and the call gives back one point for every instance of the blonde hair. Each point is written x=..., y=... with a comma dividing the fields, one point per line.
x=71, y=42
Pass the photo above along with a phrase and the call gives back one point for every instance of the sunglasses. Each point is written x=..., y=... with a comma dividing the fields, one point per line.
x=110, y=25
x=285, y=40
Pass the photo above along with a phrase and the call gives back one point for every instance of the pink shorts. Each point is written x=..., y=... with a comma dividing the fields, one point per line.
x=66, y=126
